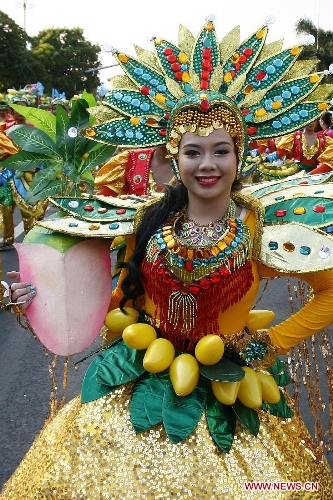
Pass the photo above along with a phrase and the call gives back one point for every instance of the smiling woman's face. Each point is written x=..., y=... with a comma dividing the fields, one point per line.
x=207, y=165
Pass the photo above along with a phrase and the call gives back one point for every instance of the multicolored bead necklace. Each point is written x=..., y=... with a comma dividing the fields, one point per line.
x=190, y=232
x=187, y=280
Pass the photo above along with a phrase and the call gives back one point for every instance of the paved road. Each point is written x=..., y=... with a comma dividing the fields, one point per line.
x=25, y=382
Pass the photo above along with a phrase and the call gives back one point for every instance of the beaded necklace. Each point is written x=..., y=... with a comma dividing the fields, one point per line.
x=185, y=281
x=190, y=232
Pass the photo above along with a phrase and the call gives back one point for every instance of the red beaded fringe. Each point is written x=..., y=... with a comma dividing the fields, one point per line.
x=185, y=318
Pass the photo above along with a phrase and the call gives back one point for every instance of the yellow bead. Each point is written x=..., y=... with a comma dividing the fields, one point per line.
x=227, y=77
x=322, y=106
x=250, y=391
x=186, y=77
x=160, y=98
x=116, y=320
x=135, y=120
x=182, y=58
x=276, y=104
x=225, y=392
x=209, y=350
x=139, y=335
x=158, y=41
x=123, y=58
x=295, y=51
x=314, y=78
x=270, y=389
x=261, y=112
x=184, y=374
x=159, y=356
x=259, y=318
x=260, y=34
x=209, y=26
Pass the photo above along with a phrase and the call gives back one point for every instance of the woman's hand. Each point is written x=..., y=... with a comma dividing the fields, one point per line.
x=21, y=292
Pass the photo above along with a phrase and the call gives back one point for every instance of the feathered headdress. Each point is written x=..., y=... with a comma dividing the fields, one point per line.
x=273, y=92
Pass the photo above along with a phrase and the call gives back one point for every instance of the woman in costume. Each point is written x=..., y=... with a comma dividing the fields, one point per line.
x=153, y=422
x=313, y=150
x=136, y=171
x=325, y=122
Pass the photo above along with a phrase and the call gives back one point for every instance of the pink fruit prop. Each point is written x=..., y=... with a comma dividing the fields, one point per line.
x=73, y=291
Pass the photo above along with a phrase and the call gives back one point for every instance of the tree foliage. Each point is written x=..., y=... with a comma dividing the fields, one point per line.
x=57, y=57
x=322, y=49
x=65, y=54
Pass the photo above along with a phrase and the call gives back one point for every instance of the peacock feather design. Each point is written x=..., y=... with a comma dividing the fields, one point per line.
x=276, y=93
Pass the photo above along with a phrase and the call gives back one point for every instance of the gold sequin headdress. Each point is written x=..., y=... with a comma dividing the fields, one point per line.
x=254, y=90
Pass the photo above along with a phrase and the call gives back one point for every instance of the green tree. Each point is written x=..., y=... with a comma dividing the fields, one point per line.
x=322, y=49
x=66, y=55
x=17, y=65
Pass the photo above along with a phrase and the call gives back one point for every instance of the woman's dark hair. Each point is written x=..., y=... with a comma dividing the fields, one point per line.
x=175, y=199
x=326, y=118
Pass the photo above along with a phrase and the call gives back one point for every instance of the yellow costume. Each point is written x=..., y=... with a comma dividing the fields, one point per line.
x=91, y=450
x=133, y=435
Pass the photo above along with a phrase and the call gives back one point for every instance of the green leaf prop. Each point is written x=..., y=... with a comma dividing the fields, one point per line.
x=91, y=388
x=147, y=401
x=50, y=190
x=57, y=139
x=23, y=161
x=280, y=373
x=280, y=409
x=63, y=141
x=40, y=181
x=33, y=140
x=97, y=156
x=43, y=120
x=182, y=414
x=247, y=416
x=221, y=420
x=223, y=371
x=121, y=364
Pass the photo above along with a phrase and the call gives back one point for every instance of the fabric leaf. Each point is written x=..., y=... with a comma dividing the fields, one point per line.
x=182, y=414
x=91, y=388
x=33, y=140
x=247, y=416
x=280, y=373
x=223, y=371
x=280, y=409
x=139, y=417
x=121, y=364
x=221, y=420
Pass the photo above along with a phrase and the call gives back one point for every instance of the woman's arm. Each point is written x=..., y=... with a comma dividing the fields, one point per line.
x=316, y=314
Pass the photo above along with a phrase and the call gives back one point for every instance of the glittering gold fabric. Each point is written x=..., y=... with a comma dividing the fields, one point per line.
x=91, y=452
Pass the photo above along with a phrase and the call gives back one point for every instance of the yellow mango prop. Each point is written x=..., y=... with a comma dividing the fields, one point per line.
x=159, y=356
x=116, y=320
x=270, y=389
x=250, y=392
x=184, y=374
x=225, y=392
x=139, y=335
x=259, y=318
x=209, y=350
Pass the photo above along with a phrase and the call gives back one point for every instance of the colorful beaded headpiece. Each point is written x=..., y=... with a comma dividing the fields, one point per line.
x=265, y=91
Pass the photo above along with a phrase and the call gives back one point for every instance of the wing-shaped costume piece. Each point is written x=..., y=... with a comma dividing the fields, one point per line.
x=298, y=222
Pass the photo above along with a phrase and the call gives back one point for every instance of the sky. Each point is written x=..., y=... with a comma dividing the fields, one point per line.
x=125, y=23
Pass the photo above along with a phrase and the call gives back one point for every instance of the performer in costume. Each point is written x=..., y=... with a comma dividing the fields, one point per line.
x=314, y=150
x=135, y=171
x=325, y=122
x=152, y=422
x=18, y=185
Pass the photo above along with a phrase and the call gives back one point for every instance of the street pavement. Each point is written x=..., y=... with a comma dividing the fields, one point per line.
x=25, y=381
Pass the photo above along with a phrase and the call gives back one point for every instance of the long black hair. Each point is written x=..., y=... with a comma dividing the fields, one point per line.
x=176, y=198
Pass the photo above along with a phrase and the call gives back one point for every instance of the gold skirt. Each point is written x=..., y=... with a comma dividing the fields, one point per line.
x=91, y=452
